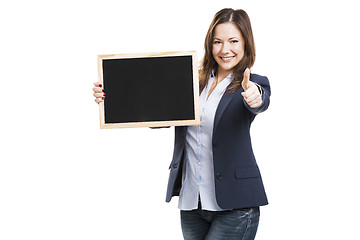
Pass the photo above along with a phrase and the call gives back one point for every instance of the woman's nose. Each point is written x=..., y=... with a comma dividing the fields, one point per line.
x=226, y=48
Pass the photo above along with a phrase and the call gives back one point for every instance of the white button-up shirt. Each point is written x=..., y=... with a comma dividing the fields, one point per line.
x=198, y=171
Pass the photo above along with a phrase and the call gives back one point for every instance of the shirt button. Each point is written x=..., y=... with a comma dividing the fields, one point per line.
x=219, y=176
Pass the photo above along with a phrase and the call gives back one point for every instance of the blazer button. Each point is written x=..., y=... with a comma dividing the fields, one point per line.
x=219, y=176
x=175, y=165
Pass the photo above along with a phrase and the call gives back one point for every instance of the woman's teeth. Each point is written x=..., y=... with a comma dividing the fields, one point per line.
x=227, y=58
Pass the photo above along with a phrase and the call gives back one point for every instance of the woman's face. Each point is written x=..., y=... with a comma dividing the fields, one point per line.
x=228, y=46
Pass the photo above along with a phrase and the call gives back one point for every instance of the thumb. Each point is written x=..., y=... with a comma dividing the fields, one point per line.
x=246, y=79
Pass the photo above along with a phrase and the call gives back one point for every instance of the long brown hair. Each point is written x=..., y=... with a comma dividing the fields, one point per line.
x=208, y=65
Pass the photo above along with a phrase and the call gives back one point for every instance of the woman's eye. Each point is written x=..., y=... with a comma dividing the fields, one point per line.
x=234, y=41
x=217, y=42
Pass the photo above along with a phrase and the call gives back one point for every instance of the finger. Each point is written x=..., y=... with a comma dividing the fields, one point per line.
x=254, y=101
x=250, y=91
x=256, y=104
x=99, y=100
x=246, y=79
x=98, y=89
x=97, y=84
x=253, y=96
x=99, y=95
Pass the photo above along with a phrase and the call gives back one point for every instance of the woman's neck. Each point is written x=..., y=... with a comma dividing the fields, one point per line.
x=222, y=74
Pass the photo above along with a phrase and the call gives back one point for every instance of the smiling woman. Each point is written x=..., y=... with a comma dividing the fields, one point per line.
x=228, y=50
x=214, y=170
x=229, y=35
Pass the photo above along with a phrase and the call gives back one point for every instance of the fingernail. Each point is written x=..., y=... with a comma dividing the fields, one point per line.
x=102, y=98
x=100, y=85
x=103, y=90
x=104, y=94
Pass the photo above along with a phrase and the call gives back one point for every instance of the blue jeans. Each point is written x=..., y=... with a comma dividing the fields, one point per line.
x=239, y=224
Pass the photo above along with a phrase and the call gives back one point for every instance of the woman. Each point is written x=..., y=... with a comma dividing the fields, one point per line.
x=214, y=171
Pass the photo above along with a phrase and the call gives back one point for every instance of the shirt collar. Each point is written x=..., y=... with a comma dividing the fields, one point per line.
x=213, y=74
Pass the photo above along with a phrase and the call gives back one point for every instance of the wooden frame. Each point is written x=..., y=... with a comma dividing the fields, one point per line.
x=162, y=70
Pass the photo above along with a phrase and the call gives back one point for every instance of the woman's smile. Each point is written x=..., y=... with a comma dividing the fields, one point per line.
x=227, y=59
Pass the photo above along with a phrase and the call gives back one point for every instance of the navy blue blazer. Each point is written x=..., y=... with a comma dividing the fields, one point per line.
x=238, y=182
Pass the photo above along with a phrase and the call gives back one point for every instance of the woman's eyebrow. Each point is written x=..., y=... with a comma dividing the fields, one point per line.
x=215, y=38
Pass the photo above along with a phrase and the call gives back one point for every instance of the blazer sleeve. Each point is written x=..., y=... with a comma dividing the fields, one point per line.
x=264, y=84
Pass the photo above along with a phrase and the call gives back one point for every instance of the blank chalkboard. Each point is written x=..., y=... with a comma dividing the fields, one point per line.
x=149, y=90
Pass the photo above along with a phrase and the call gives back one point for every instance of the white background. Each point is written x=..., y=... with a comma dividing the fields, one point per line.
x=61, y=177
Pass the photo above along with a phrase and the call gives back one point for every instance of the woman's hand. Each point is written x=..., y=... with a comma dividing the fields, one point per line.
x=251, y=92
x=98, y=92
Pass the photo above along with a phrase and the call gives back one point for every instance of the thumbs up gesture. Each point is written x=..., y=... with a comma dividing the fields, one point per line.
x=251, y=92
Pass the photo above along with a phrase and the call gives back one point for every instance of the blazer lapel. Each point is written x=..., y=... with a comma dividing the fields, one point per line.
x=225, y=100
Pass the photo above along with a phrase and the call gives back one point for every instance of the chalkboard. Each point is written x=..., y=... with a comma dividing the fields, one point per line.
x=149, y=90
